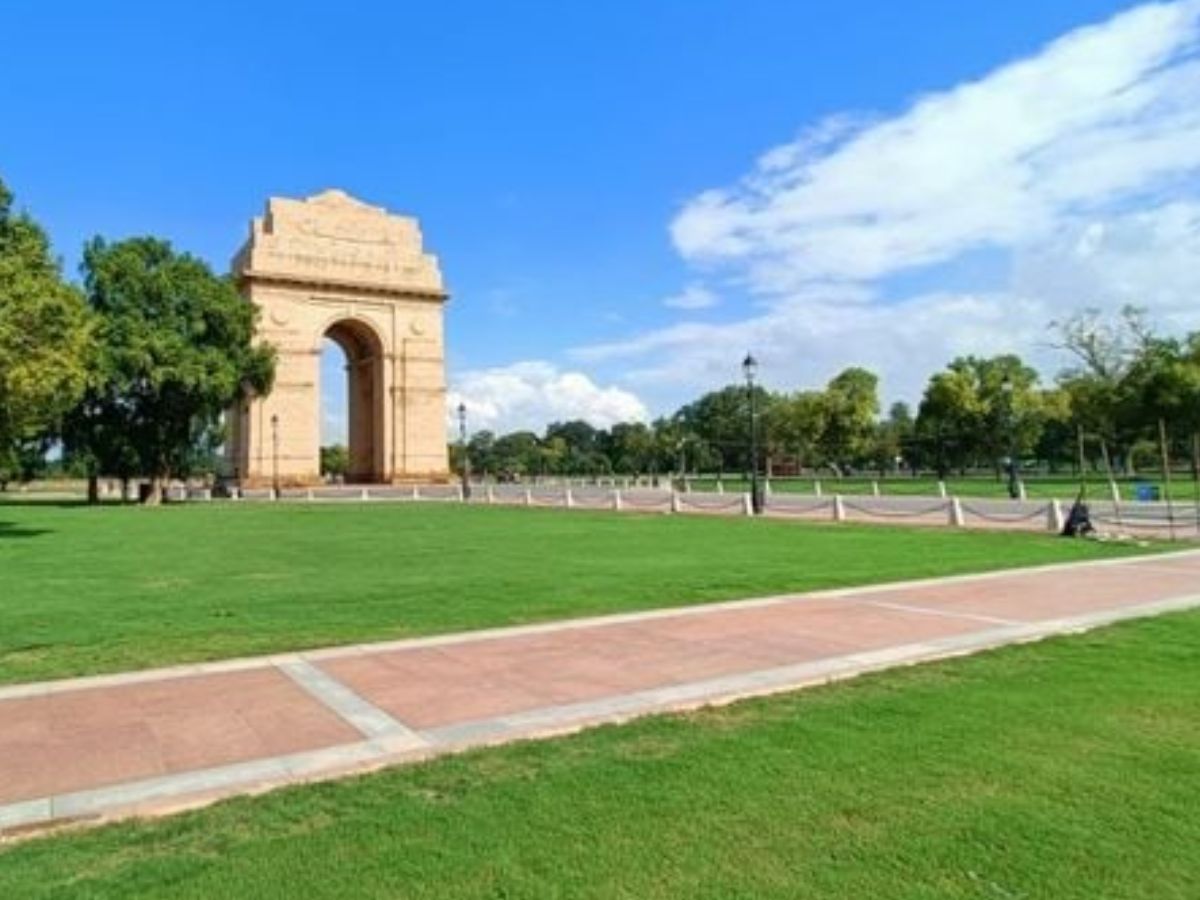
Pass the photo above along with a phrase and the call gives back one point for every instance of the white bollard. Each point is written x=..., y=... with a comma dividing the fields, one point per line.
x=616, y=499
x=839, y=508
x=1054, y=517
x=528, y=497
x=416, y=492
x=462, y=493
x=235, y=493
x=308, y=495
x=874, y=488
x=569, y=499
x=747, y=504
x=675, y=502
x=363, y=495
x=1115, y=490
x=1021, y=495
x=817, y=487
x=720, y=486
x=491, y=495
x=767, y=487
x=942, y=489
x=956, y=513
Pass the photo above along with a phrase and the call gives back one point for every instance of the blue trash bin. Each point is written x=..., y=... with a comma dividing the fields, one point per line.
x=1146, y=493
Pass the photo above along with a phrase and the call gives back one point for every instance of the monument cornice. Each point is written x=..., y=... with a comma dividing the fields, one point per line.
x=347, y=284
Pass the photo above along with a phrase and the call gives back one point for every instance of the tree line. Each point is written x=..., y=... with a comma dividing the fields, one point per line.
x=1125, y=384
x=131, y=371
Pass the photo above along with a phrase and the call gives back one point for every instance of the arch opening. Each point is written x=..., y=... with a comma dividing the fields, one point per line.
x=357, y=421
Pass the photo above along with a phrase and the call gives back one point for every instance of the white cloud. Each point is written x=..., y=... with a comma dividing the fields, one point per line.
x=693, y=297
x=1103, y=114
x=1074, y=171
x=530, y=395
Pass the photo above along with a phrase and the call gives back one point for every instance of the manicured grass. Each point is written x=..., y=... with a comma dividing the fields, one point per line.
x=102, y=589
x=1067, y=769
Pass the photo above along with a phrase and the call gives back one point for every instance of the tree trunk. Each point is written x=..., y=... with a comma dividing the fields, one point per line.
x=154, y=496
x=93, y=489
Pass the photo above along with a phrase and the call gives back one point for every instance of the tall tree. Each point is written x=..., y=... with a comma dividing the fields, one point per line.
x=45, y=335
x=176, y=350
x=852, y=403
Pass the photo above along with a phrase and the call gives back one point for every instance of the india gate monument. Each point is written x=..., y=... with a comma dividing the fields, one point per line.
x=330, y=266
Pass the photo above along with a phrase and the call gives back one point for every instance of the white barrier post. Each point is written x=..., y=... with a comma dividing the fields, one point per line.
x=839, y=508
x=491, y=495
x=747, y=505
x=569, y=498
x=675, y=501
x=720, y=486
x=308, y=495
x=1115, y=491
x=817, y=487
x=1021, y=495
x=956, y=513
x=416, y=493
x=874, y=488
x=462, y=494
x=616, y=500
x=942, y=489
x=767, y=487
x=528, y=497
x=1054, y=517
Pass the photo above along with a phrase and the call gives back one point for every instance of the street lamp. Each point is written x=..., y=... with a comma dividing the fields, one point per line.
x=464, y=462
x=1006, y=388
x=275, y=455
x=750, y=370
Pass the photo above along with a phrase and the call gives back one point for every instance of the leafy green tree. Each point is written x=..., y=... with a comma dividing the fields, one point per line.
x=45, y=335
x=796, y=425
x=852, y=403
x=175, y=351
x=335, y=461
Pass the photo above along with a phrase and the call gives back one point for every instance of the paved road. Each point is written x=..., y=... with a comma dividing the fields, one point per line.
x=155, y=741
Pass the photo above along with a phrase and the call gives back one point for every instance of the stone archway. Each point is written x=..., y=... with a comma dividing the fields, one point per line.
x=332, y=266
x=364, y=401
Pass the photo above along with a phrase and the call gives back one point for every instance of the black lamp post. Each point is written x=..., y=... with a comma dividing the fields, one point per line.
x=275, y=455
x=464, y=462
x=750, y=369
x=1010, y=424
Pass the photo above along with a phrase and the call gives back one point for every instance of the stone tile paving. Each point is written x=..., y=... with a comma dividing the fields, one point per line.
x=151, y=742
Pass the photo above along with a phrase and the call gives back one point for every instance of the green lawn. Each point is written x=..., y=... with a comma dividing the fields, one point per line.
x=1067, y=769
x=86, y=590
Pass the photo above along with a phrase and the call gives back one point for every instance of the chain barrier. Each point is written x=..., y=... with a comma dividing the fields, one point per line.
x=896, y=514
x=711, y=506
x=788, y=508
x=1039, y=513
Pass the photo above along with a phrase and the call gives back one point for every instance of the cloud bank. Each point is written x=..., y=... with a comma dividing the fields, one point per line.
x=963, y=223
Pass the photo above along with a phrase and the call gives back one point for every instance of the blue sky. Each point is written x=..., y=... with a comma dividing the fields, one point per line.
x=626, y=196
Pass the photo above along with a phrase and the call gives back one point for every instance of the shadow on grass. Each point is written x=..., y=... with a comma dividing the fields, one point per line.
x=9, y=530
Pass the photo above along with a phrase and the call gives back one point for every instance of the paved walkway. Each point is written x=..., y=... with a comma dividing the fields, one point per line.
x=155, y=741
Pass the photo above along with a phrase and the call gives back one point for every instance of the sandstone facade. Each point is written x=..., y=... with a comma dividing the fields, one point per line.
x=332, y=266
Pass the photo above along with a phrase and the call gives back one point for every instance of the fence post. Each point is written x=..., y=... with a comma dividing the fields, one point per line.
x=1115, y=492
x=308, y=495
x=675, y=502
x=528, y=497
x=942, y=489
x=1021, y=493
x=616, y=500
x=1054, y=517
x=839, y=508
x=462, y=494
x=720, y=486
x=490, y=494
x=416, y=492
x=874, y=488
x=956, y=513
x=569, y=498
x=767, y=487
x=817, y=487
x=747, y=505
x=364, y=495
